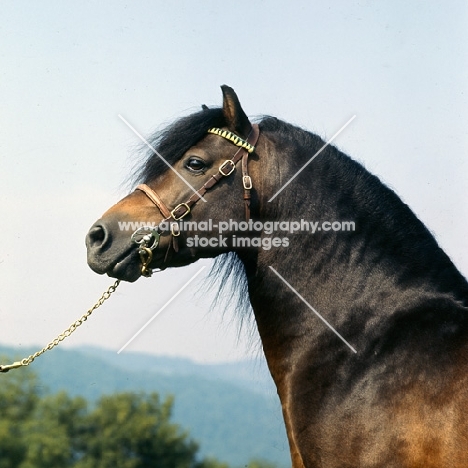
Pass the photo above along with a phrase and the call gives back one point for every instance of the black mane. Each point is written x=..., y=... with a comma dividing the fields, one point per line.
x=378, y=204
x=172, y=142
x=285, y=131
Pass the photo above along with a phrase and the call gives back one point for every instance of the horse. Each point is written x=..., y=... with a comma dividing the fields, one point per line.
x=364, y=328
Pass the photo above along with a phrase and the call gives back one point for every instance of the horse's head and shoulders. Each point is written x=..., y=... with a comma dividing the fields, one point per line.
x=365, y=325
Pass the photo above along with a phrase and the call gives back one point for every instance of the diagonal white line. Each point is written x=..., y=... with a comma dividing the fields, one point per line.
x=312, y=158
x=161, y=309
x=156, y=152
x=312, y=309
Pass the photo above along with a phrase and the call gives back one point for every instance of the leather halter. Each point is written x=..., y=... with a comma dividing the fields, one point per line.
x=225, y=169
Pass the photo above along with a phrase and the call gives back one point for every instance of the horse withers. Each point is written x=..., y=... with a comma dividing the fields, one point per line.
x=365, y=329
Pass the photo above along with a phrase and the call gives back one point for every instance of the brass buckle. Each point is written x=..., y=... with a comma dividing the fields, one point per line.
x=175, y=229
x=225, y=163
x=247, y=181
x=187, y=208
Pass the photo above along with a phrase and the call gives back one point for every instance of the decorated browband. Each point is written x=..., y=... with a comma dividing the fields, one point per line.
x=233, y=138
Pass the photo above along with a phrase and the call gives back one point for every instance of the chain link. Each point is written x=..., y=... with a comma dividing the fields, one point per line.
x=28, y=360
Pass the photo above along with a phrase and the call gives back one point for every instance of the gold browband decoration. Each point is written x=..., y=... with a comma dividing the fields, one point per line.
x=233, y=138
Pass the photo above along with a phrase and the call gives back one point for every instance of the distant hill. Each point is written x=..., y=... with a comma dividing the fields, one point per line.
x=252, y=375
x=231, y=409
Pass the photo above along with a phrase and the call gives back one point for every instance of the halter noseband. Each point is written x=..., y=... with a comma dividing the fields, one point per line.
x=145, y=236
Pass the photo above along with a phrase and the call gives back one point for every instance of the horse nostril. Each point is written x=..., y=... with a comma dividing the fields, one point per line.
x=96, y=237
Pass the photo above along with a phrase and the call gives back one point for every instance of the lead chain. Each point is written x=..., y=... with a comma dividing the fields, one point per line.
x=28, y=360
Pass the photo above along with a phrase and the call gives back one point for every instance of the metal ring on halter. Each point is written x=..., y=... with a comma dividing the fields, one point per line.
x=143, y=236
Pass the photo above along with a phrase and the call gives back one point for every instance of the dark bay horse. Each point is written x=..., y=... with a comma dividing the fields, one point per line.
x=364, y=328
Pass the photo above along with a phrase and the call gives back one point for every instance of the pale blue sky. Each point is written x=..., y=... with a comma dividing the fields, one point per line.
x=67, y=69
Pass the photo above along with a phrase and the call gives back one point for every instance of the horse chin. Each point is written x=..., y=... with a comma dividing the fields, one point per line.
x=126, y=267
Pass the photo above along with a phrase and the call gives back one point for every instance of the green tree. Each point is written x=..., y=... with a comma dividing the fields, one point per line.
x=134, y=431
x=211, y=463
x=19, y=394
x=122, y=431
x=53, y=435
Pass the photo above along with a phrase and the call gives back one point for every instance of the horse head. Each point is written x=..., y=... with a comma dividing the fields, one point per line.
x=199, y=169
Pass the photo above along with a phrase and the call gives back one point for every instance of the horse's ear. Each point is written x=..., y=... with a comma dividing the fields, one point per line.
x=236, y=119
x=204, y=107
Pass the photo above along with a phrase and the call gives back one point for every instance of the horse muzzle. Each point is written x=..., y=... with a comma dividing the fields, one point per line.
x=113, y=254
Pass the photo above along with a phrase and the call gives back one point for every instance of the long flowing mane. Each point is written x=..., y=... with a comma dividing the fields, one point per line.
x=394, y=223
x=369, y=201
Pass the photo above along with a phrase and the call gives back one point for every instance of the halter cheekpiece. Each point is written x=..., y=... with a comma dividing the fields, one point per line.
x=147, y=238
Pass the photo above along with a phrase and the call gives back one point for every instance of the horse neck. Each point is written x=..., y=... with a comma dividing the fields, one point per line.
x=352, y=279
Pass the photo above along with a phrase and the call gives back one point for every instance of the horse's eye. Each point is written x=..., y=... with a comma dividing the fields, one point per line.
x=195, y=164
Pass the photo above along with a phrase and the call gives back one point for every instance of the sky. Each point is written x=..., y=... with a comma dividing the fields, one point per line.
x=68, y=69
